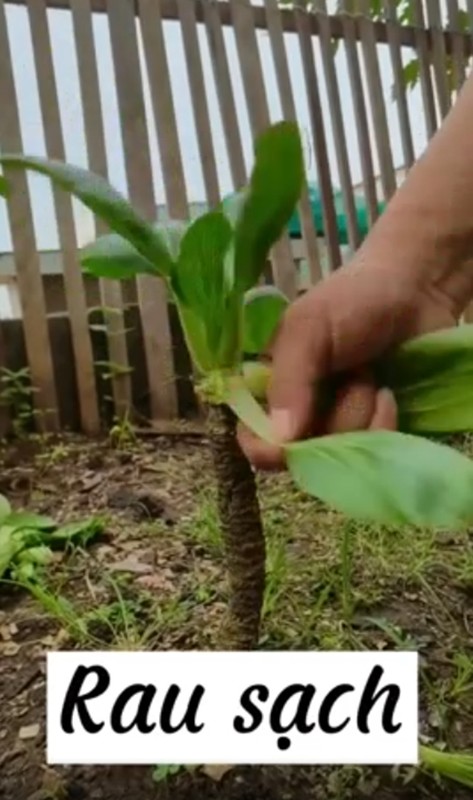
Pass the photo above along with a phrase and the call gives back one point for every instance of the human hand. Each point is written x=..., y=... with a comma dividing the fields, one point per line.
x=333, y=333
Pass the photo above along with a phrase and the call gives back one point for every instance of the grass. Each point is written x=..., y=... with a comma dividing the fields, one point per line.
x=331, y=584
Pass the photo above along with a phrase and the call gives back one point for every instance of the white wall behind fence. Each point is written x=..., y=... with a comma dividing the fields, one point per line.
x=71, y=112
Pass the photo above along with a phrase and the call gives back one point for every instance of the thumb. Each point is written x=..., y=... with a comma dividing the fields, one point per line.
x=299, y=361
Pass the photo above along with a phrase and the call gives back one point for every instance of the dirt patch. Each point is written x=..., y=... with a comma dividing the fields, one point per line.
x=156, y=581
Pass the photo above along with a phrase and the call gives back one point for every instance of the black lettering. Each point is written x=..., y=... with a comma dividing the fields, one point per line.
x=299, y=719
x=188, y=719
x=327, y=705
x=75, y=701
x=249, y=706
x=140, y=720
x=369, y=698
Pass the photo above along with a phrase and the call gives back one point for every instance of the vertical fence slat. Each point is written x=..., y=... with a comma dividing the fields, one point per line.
x=163, y=108
x=392, y=23
x=27, y=262
x=199, y=100
x=253, y=82
x=318, y=135
x=110, y=291
x=226, y=100
x=458, y=56
x=73, y=284
x=278, y=47
x=439, y=56
x=378, y=107
x=422, y=52
x=152, y=293
x=361, y=115
x=152, y=33
x=338, y=124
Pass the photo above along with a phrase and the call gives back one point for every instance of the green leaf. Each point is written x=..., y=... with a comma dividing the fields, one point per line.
x=198, y=278
x=256, y=378
x=113, y=257
x=20, y=520
x=275, y=187
x=108, y=204
x=5, y=508
x=457, y=767
x=77, y=533
x=172, y=233
x=263, y=309
x=432, y=379
x=386, y=477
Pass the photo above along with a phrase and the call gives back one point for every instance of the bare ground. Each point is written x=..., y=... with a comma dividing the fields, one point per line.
x=156, y=580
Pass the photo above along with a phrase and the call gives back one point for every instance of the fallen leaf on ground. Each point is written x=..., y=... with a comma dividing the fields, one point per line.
x=29, y=731
x=10, y=649
x=216, y=771
x=131, y=565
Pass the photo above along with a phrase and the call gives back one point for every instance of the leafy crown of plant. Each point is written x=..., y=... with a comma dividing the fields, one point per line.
x=212, y=266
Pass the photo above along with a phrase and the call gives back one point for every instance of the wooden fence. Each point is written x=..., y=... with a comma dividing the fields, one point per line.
x=134, y=338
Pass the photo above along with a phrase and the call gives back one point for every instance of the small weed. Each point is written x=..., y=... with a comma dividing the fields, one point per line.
x=122, y=434
x=16, y=392
x=204, y=527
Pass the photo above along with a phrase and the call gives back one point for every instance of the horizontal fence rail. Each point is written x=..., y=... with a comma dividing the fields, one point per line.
x=193, y=82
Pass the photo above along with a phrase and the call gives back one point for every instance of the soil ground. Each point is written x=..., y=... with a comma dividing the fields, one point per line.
x=156, y=580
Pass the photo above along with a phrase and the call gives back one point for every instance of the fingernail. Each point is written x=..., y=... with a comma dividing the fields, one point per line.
x=282, y=423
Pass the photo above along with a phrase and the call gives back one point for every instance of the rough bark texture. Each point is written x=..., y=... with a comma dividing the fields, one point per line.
x=242, y=530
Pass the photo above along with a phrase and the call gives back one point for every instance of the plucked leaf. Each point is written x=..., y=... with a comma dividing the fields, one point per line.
x=108, y=204
x=432, y=379
x=386, y=477
x=113, y=257
x=236, y=395
x=199, y=276
x=275, y=187
x=263, y=309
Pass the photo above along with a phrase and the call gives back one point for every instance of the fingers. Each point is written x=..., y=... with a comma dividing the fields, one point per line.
x=385, y=415
x=300, y=356
x=262, y=455
x=359, y=405
x=354, y=406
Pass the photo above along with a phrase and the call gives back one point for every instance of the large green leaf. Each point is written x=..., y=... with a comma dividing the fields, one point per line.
x=263, y=309
x=108, y=204
x=113, y=257
x=198, y=277
x=275, y=187
x=386, y=477
x=432, y=379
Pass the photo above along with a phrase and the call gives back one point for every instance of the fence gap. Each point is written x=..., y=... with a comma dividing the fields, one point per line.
x=152, y=294
x=110, y=291
x=319, y=137
x=257, y=103
x=377, y=102
x=361, y=115
x=281, y=66
x=73, y=283
x=393, y=26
